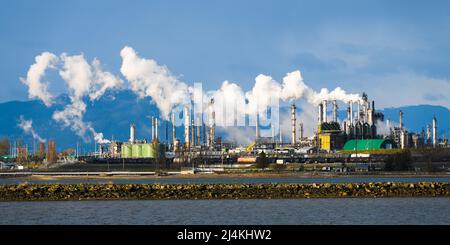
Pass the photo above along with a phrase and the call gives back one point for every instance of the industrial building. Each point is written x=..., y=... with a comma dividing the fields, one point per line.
x=200, y=144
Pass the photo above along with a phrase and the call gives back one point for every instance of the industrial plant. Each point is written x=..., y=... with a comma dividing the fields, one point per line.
x=354, y=139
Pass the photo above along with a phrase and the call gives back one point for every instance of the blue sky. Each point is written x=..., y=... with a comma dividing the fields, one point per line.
x=397, y=51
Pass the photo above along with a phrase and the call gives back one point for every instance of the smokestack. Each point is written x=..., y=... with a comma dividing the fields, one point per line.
x=156, y=128
x=325, y=103
x=434, y=131
x=293, y=125
x=301, y=132
x=187, y=122
x=167, y=131
x=350, y=105
x=358, y=115
x=428, y=134
x=153, y=128
x=204, y=133
x=400, y=119
x=273, y=133
x=212, y=128
x=402, y=139
x=192, y=133
x=335, y=111
x=281, y=135
x=320, y=114
x=198, y=131
x=257, y=127
x=174, y=136
x=132, y=130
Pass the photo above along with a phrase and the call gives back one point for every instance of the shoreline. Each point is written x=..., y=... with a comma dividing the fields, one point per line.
x=320, y=175
x=109, y=191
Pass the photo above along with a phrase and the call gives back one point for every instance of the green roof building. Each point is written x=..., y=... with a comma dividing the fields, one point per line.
x=369, y=144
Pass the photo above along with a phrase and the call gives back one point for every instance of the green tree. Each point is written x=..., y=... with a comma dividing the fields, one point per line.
x=399, y=162
x=262, y=161
x=4, y=146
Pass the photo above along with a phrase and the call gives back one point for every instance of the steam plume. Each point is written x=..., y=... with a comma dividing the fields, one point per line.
x=27, y=127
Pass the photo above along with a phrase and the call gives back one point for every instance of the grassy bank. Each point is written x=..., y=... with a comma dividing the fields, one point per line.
x=44, y=192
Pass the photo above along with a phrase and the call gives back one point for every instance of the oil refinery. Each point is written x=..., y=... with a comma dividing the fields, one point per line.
x=333, y=141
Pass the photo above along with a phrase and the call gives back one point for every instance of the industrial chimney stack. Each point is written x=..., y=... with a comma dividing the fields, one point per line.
x=132, y=130
x=335, y=111
x=187, y=121
x=434, y=131
x=400, y=119
x=293, y=125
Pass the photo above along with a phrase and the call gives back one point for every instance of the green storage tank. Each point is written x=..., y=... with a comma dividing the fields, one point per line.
x=148, y=151
x=126, y=151
x=369, y=144
x=136, y=150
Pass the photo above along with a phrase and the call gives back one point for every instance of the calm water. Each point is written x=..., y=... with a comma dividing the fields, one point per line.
x=343, y=179
x=282, y=211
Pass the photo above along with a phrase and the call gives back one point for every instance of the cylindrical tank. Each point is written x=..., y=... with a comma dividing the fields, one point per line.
x=126, y=151
x=136, y=150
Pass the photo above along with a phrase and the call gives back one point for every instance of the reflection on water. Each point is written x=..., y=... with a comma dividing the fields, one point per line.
x=258, y=211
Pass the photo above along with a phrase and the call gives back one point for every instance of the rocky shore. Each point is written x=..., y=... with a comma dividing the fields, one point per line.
x=53, y=192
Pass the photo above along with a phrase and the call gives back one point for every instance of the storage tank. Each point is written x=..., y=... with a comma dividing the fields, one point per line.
x=148, y=151
x=136, y=150
x=126, y=150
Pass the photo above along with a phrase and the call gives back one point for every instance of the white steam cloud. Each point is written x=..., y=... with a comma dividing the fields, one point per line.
x=82, y=79
x=37, y=88
x=27, y=127
x=147, y=78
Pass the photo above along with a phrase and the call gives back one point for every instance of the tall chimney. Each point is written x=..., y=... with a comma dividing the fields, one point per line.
x=153, y=128
x=428, y=134
x=156, y=128
x=358, y=115
x=301, y=132
x=166, y=122
x=335, y=111
x=212, y=128
x=434, y=131
x=198, y=131
x=350, y=105
x=132, y=130
x=320, y=114
x=325, y=103
x=257, y=127
x=273, y=133
x=187, y=121
x=192, y=133
x=174, y=136
x=293, y=125
x=281, y=135
x=400, y=119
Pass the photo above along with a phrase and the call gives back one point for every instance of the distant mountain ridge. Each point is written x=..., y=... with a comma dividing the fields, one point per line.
x=113, y=113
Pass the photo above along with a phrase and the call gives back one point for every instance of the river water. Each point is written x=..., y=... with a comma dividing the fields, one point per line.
x=257, y=211
x=152, y=180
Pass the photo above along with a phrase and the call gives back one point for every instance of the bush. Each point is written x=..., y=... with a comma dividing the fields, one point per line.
x=262, y=161
x=399, y=162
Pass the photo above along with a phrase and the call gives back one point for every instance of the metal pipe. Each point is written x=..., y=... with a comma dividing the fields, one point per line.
x=325, y=103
